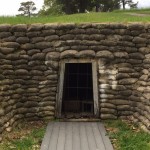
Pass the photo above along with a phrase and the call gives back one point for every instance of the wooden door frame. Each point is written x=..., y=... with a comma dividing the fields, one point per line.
x=61, y=83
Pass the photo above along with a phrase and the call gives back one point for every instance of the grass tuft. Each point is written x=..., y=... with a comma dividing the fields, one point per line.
x=25, y=137
x=126, y=136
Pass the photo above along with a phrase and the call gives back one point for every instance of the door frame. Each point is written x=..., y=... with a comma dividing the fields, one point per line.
x=61, y=83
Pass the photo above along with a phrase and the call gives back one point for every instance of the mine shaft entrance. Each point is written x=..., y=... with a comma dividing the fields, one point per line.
x=77, y=100
x=77, y=89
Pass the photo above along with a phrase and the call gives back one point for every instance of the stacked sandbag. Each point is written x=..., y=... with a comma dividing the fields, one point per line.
x=11, y=87
x=106, y=84
x=139, y=97
x=127, y=77
x=41, y=91
x=31, y=56
x=142, y=108
x=21, y=71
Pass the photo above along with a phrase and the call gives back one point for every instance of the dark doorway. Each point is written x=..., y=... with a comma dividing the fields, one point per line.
x=78, y=90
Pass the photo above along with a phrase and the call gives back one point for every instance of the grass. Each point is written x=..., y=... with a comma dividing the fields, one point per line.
x=126, y=136
x=26, y=137
x=123, y=134
x=116, y=16
x=142, y=10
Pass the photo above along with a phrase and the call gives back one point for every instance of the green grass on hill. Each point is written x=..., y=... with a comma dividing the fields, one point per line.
x=28, y=136
x=127, y=136
x=116, y=16
x=142, y=10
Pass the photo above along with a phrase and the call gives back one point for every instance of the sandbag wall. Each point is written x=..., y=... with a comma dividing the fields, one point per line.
x=27, y=82
x=29, y=68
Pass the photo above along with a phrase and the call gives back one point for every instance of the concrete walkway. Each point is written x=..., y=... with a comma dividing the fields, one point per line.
x=76, y=136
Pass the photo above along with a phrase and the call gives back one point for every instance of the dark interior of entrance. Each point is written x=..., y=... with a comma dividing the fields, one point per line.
x=78, y=89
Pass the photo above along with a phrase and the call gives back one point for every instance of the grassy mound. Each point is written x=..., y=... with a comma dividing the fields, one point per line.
x=118, y=16
x=27, y=136
x=127, y=136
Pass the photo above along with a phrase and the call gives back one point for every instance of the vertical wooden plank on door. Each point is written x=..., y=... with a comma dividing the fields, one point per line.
x=95, y=88
x=60, y=90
